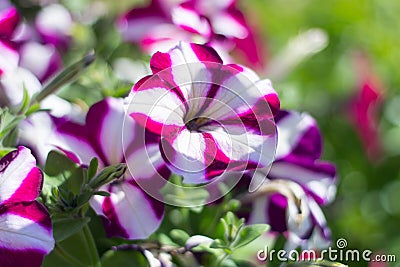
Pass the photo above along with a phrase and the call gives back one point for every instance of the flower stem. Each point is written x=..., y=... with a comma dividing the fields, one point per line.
x=66, y=256
x=94, y=255
x=221, y=259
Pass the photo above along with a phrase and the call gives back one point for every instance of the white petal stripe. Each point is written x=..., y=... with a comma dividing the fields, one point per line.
x=21, y=233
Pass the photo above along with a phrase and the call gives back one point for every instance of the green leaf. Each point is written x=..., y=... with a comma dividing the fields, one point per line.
x=102, y=193
x=166, y=240
x=218, y=243
x=123, y=258
x=279, y=245
x=35, y=107
x=24, y=106
x=8, y=122
x=179, y=236
x=107, y=175
x=94, y=164
x=58, y=163
x=249, y=233
x=66, y=76
x=83, y=198
x=5, y=150
x=11, y=138
x=75, y=246
x=66, y=227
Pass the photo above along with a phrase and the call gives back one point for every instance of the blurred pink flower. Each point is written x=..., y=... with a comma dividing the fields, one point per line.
x=220, y=24
x=364, y=108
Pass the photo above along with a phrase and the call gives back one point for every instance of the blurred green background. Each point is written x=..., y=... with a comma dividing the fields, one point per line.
x=366, y=211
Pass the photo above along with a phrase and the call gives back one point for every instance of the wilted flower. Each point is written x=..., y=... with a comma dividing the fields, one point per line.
x=25, y=225
x=220, y=24
x=129, y=212
x=297, y=184
x=210, y=117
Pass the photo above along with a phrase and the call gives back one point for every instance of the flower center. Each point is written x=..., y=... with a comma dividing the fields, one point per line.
x=196, y=123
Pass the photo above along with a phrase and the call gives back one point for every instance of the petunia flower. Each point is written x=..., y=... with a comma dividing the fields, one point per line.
x=54, y=24
x=297, y=184
x=129, y=212
x=25, y=225
x=364, y=107
x=23, y=65
x=210, y=117
x=220, y=24
x=9, y=19
x=42, y=60
x=20, y=46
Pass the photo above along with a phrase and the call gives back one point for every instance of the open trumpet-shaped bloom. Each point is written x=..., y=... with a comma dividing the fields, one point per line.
x=129, y=212
x=298, y=183
x=210, y=117
x=25, y=225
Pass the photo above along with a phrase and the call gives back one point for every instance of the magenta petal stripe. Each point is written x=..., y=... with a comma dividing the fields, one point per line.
x=129, y=212
x=206, y=53
x=114, y=137
x=9, y=20
x=298, y=135
x=135, y=24
x=20, y=179
x=25, y=225
x=226, y=122
x=21, y=258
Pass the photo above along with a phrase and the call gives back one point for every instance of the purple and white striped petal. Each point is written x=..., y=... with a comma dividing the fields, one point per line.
x=20, y=179
x=294, y=212
x=162, y=23
x=42, y=60
x=9, y=57
x=162, y=37
x=9, y=19
x=227, y=20
x=104, y=124
x=134, y=25
x=318, y=178
x=100, y=136
x=298, y=134
x=210, y=117
x=187, y=17
x=14, y=82
x=25, y=225
x=114, y=138
x=298, y=182
x=128, y=212
x=54, y=23
x=299, y=148
x=73, y=141
x=25, y=234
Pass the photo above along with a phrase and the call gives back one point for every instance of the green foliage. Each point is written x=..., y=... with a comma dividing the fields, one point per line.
x=66, y=227
x=123, y=259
